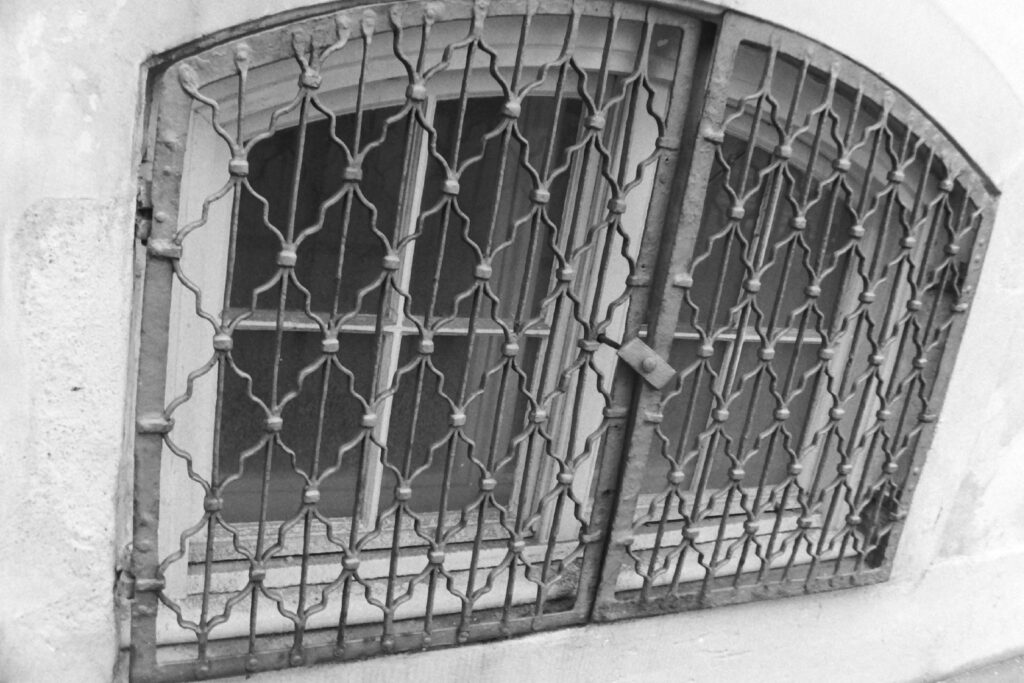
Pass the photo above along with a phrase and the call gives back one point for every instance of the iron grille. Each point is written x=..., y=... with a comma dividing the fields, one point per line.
x=380, y=403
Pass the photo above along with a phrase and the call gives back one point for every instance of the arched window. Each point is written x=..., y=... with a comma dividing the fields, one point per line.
x=463, y=321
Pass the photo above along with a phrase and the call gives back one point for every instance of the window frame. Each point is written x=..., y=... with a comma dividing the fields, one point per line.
x=623, y=445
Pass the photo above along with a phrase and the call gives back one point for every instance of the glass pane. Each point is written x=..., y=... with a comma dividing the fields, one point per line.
x=423, y=445
x=748, y=434
x=242, y=424
x=345, y=217
x=491, y=217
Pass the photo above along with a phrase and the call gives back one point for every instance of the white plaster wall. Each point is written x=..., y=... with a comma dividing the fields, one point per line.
x=70, y=84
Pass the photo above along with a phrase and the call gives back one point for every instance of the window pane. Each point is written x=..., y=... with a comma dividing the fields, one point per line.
x=272, y=164
x=491, y=215
x=242, y=424
x=421, y=441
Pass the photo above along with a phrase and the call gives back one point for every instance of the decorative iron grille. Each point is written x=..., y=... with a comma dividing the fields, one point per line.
x=381, y=405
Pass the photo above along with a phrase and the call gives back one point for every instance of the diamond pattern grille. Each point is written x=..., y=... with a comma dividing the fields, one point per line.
x=379, y=403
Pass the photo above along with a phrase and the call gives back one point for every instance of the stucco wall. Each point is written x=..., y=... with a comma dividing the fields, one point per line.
x=71, y=84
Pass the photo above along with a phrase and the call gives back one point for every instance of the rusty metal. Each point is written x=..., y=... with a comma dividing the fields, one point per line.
x=786, y=243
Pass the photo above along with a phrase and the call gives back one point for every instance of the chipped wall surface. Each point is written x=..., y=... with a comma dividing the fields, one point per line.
x=71, y=83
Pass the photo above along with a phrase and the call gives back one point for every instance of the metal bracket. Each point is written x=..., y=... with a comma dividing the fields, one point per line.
x=647, y=363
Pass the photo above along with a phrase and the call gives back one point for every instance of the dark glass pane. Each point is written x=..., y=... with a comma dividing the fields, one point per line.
x=242, y=424
x=491, y=215
x=272, y=164
x=420, y=433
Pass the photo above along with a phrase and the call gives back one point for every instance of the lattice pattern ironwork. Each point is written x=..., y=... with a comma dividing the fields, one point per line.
x=380, y=406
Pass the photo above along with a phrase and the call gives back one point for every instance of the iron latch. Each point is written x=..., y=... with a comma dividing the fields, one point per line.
x=642, y=358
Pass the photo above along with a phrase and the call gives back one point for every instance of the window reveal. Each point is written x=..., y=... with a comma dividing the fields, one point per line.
x=403, y=426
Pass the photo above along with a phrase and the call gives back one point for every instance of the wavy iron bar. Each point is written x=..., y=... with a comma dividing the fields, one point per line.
x=380, y=406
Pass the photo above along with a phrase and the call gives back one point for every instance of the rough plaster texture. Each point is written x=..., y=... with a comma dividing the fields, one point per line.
x=71, y=83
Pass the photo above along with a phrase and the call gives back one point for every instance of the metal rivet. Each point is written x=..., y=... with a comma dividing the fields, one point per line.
x=795, y=469
x=296, y=658
x=883, y=414
x=512, y=109
x=836, y=413
x=857, y=231
x=713, y=135
x=876, y=359
x=463, y=636
x=737, y=212
x=287, y=257
x=751, y=528
x=805, y=522
x=826, y=353
x=212, y=503
x=540, y=196
x=813, y=291
x=946, y=185
x=488, y=484
x=649, y=364
x=782, y=414
x=926, y=417
x=676, y=477
x=890, y=467
x=766, y=354
x=914, y=305
x=426, y=346
x=616, y=206
x=841, y=164
x=720, y=415
x=238, y=167
x=451, y=186
x=752, y=285
x=908, y=242
x=539, y=415
x=163, y=248
x=517, y=545
x=369, y=420
x=784, y=151
x=565, y=478
x=310, y=79
x=161, y=217
x=683, y=280
x=737, y=473
x=353, y=174
x=653, y=416
x=351, y=563
x=866, y=297
x=257, y=573
x=483, y=271
x=403, y=493
x=595, y=122
x=897, y=176
x=387, y=642
x=952, y=249
x=329, y=345
x=252, y=662
x=920, y=362
x=436, y=557
x=457, y=419
x=853, y=520
x=222, y=341
x=391, y=262
x=844, y=468
x=510, y=349
x=417, y=92
x=798, y=223
x=705, y=351
x=566, y=274
x=960, y=307
x=273, y=423
x=311, y=495
x=588, y=345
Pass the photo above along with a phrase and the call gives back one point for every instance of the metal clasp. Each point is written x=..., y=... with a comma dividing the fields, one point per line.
x=642, y=358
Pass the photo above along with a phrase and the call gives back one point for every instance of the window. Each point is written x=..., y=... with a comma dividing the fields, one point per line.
x=461, y=322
